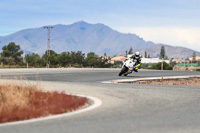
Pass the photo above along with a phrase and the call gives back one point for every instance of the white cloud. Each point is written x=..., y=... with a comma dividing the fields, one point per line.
x=177, y=36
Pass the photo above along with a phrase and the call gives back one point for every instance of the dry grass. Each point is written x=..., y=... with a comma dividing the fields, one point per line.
x=188, y=81
x=20, y=102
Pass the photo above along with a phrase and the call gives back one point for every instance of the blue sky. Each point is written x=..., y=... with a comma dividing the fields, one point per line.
x=174, y=22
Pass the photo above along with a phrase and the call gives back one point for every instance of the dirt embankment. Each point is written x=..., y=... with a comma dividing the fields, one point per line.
x=186, y=81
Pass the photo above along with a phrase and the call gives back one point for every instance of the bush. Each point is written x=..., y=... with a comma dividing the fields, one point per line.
x=144, y=65
x=117, y=64
x=158, y=66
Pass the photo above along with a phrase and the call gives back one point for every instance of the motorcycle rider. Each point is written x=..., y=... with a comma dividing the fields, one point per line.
x=137, y=58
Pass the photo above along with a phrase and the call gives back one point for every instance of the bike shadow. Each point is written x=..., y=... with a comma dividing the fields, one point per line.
x=132, y=76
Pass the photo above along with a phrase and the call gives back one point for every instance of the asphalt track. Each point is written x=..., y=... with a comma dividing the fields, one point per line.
x=126, y=108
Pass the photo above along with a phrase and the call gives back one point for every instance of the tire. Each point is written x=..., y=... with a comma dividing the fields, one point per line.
x=124, y=70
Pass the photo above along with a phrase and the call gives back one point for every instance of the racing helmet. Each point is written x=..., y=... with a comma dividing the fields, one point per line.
x=137, y=55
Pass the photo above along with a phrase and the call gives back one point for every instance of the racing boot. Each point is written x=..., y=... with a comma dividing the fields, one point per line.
x=135, y=69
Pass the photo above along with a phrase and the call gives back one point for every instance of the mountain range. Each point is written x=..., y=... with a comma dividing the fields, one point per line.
x=85, y=37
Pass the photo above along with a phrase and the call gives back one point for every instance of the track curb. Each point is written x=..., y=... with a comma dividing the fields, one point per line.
x=150, y=78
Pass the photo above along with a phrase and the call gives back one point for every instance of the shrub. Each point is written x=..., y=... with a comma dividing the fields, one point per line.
x=117, y=64
x=158, y=66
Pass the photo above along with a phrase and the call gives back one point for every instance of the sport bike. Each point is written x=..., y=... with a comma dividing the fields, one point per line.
x=128, y=67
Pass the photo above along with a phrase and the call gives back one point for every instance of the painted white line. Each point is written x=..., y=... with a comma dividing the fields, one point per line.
x=97, y=103
x=149, y=78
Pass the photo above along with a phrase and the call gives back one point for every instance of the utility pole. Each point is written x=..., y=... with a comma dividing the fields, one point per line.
x=48, y=43
x=162, y=64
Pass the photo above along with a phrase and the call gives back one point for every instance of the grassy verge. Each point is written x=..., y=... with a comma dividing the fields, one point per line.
x=18, y=102
x=194, y=81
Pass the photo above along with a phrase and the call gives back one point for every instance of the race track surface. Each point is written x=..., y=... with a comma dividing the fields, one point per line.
x=126, y=108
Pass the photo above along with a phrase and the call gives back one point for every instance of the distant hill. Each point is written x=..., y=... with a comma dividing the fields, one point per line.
x=85, y=37
x=81, y=36
x=171, y=51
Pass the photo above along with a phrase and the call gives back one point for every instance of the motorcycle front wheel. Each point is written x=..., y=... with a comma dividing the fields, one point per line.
x=124, y=70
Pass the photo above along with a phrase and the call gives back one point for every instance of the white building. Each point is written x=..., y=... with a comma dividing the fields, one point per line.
x=153, y=60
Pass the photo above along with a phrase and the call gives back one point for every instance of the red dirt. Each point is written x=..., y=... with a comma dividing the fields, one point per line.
x=187, y=81
x=39, y=104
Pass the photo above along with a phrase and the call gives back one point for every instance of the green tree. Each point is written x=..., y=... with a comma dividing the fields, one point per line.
x=33, y=60
x=166, y=58
x=77, y=57
x=104, y=62
x=130, y=50
x=162, y=52
x=11, y=54
x=172, y=63
x=52, y=59
x=194, y=57
x=91, y=59
x=64, y=59
x=145, y=54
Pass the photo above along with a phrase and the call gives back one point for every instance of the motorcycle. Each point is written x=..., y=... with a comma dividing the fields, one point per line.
x=128, y=67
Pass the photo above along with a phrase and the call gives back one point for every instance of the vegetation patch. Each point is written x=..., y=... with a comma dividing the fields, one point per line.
x=11, y=57
x=18, y=102
x=157, y=66
x=195, y=81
